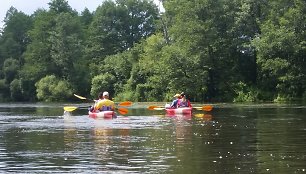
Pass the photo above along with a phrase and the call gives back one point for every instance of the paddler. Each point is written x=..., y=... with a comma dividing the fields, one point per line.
x=183, y=101
x=175, y=101
x=104, y=103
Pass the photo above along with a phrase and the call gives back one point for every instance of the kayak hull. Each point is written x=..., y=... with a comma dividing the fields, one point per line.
x=178, y=111
x=102, y=114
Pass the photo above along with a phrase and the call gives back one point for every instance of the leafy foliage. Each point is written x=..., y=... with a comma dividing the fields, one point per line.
x=4, y=90
x=245, y=93
x=16, y=90
x=51, y=88
x=103, y=82
x=14, y=38
x=279, y=52
x=229, y=50
x=117, y=26
x=10, y=69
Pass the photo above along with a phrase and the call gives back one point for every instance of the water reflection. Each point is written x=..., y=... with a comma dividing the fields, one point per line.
x=230, y=139
x=202, y=116
x=70, y=131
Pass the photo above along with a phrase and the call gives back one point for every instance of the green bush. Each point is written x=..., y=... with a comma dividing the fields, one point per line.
x=245, y=93
x=51, y=88
x=16, y=90
x=102, y=82
x=4, y=90
x=124, y=96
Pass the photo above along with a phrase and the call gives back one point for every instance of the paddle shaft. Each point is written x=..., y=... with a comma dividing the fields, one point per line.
x=204, y=108
x=120, y=110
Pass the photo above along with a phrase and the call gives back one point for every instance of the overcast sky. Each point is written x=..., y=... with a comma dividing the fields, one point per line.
x=29, y=6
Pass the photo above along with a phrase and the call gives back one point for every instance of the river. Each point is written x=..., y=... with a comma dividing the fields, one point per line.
x=232, y=138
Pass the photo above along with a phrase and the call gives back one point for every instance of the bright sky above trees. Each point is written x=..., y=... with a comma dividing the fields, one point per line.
x=28, y=7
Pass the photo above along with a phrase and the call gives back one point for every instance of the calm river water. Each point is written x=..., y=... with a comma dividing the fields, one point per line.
x=233, y=138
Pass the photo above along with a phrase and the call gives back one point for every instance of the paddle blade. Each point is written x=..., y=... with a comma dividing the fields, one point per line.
x=80, y=97
x=126, y=103
x=206, y=117
x=159, y=108
x=207, y=108
x=204, y=108
x=70, y=108
x=123, y=111
x=156, y=107
x=152, y=107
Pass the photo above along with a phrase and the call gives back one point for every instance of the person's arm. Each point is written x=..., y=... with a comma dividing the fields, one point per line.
x=189, y=104
x=174, y=104
x=113, y=106
x=178, y=103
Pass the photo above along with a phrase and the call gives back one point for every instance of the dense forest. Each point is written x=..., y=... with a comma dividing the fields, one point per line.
x=213, y=50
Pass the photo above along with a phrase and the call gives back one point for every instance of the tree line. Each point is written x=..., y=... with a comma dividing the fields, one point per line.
x=213, y=50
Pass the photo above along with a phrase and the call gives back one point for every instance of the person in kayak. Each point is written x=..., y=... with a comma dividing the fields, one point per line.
x=104, y=103
x=183, y=101
x=174, y=103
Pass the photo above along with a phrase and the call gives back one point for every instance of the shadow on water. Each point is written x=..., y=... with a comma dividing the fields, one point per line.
x=233, y=138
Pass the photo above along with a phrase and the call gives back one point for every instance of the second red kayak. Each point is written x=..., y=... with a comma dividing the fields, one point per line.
x=179, y=111
x=102, y=114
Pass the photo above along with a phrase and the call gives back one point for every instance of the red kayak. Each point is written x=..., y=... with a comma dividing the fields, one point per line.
x=102, y=114
x=179, y=111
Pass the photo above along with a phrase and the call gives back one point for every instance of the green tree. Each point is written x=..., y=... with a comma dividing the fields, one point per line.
x=66, y=44
x=102, y=82
x=56, y=48
x=14, y=38
x=10, y=69
x=280, y=51
x=147, y=77
x=198, y=43
x=116, y=26
x=4, y=90
x=38, y=61
x=211, y=47
x=86, y=18
x=16, y=90
x=60, y=6
x=37, y=56
x=227, y=50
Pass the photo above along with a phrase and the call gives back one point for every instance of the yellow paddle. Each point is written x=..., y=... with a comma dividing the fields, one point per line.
x=125, y=103
x=82, y=98
x=70, y=108
x=120, y=110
